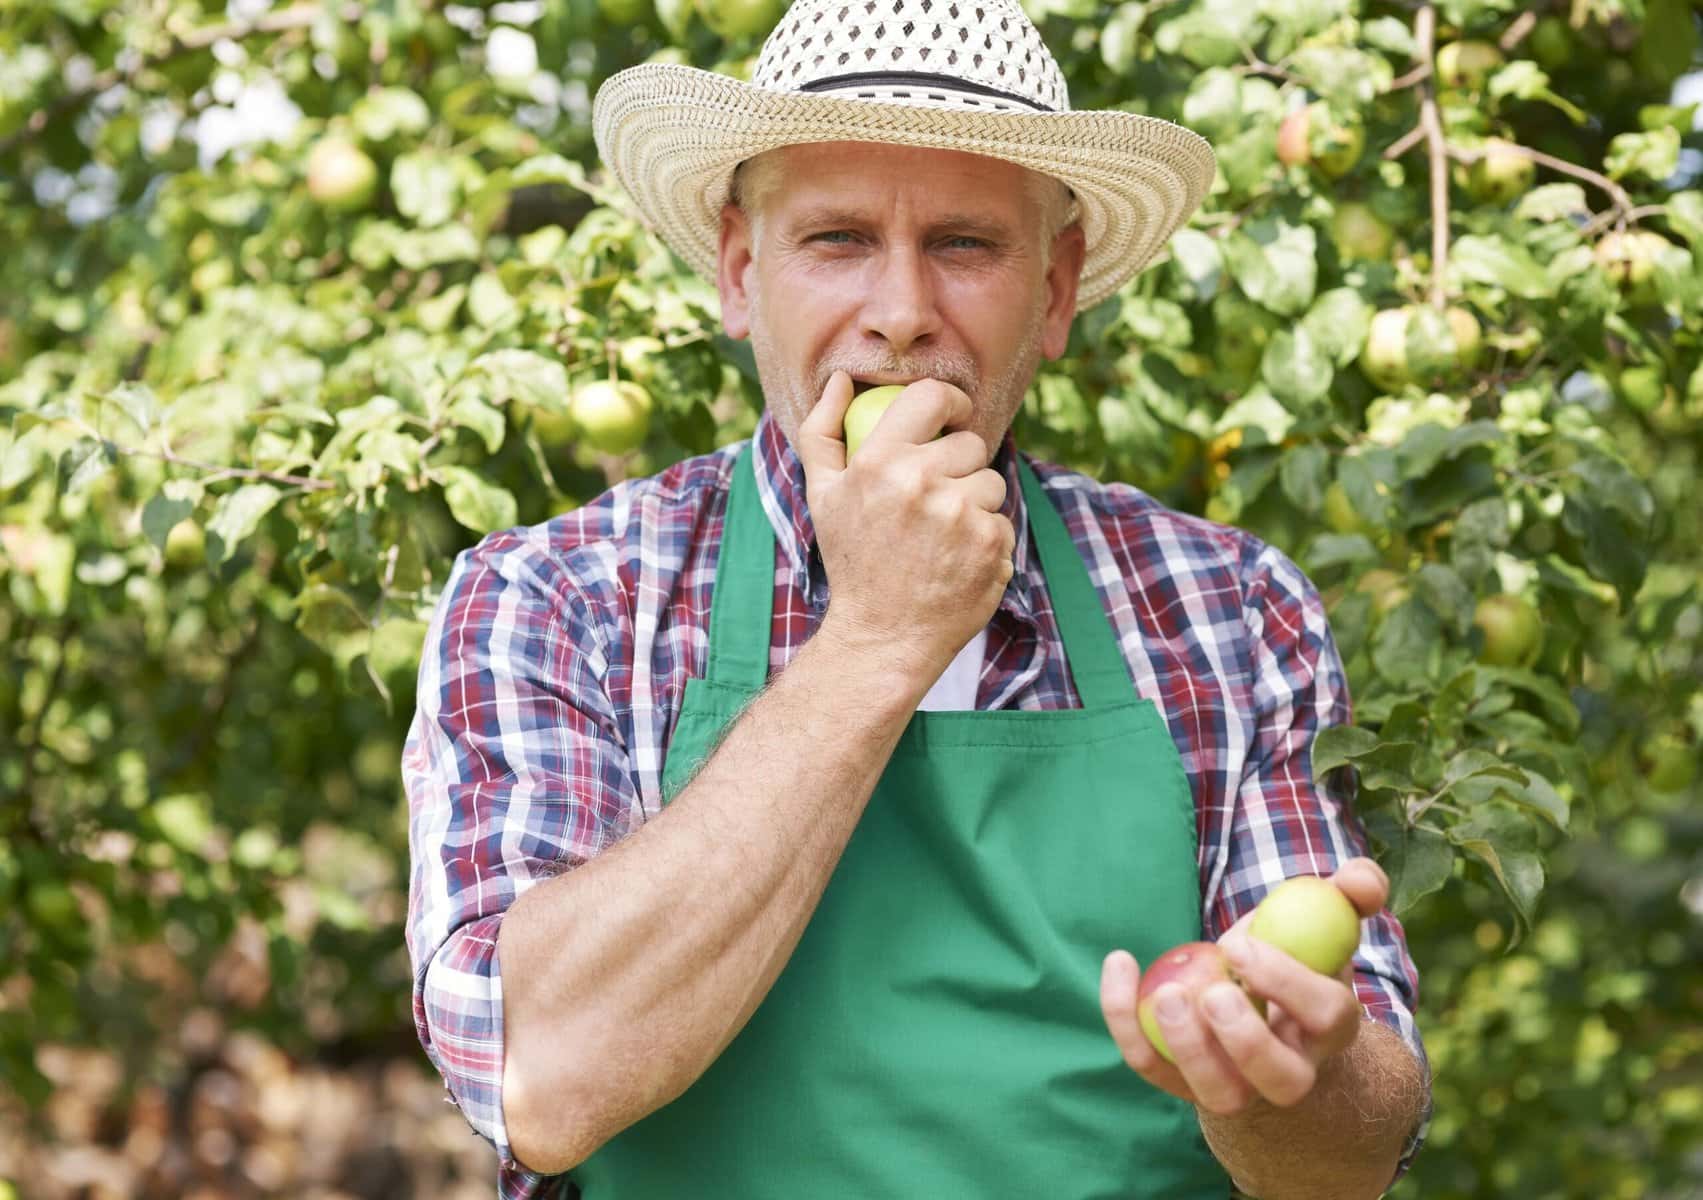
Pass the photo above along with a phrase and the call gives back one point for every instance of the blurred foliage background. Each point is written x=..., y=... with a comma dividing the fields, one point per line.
x=297, y=301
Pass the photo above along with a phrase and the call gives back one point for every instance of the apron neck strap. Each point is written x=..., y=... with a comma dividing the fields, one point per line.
x=743, y=600
x=1091, y=649
x=744, y=597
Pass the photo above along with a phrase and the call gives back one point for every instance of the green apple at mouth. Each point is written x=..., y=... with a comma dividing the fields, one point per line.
x=866, y=409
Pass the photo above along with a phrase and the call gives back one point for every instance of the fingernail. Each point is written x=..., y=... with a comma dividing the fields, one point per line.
x=1222, y=1003
x=1236, y=949
x=1172, y=1006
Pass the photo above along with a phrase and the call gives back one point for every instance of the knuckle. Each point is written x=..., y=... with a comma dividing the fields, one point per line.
x=1294, y=1087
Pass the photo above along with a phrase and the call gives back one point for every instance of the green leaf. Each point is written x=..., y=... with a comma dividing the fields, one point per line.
x=236, y=516
x=1406, y=648
x=1119, y=37
x=1296, y=369
x=549, y=168
x=161, y=515
x=1501, y=838
x=395, y=647
x=1337, y=745
x=1654, y=155
x=1275, y=263
x=470, y=412
x=1553, y=202
x=1390, y=35
x=1304, y=473
x=1335, y=549
x=1257, y=409
x=1500, y=263
x=419, y=249
x=1337, y=324
x=138, y=404
x=489, y=303
x=1447, y=595
x=384, y=113
x=425, y=187
x=1418, y=860
x=1685, y=214
x=478, y=504
x=85, y=462
x=1197, y=262
x=184, y=821
x=523, y=375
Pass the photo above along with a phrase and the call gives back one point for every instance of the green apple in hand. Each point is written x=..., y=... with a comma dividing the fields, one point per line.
x=866, y=409
x=1309, y=919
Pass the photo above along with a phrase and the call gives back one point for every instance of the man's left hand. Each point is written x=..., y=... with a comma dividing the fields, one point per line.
x=1227, y=1055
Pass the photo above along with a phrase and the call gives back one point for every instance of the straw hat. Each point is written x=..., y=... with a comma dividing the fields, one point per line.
x=969, y=75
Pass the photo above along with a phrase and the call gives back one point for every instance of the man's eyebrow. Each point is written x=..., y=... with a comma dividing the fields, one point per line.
x=831, y=217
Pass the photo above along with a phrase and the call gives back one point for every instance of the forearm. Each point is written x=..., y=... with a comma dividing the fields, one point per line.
x=625, y=978
x=1343, y=1141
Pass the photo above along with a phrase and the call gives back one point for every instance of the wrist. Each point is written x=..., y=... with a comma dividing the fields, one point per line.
x=885, y=672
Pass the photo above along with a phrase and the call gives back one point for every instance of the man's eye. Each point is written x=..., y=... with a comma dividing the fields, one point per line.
x=832, y=234
x=965, y=242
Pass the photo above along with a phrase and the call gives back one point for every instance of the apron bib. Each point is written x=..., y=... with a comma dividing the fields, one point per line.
x=937, y=1031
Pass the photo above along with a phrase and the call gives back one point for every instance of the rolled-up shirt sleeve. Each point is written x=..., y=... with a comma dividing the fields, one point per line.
x=515, y=771
x=1285, y=823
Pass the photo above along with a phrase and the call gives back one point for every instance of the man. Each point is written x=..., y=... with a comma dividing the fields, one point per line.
x=785, y=825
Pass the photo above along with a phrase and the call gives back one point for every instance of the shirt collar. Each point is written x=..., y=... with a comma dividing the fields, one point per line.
x=780, y=486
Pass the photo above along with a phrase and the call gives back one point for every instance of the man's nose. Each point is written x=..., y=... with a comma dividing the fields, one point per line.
x=901, y=308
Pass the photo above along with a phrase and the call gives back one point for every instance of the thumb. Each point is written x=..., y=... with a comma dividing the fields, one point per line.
x=821, y=438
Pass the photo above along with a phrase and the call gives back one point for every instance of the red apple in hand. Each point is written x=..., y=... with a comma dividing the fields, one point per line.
x=1195, y=966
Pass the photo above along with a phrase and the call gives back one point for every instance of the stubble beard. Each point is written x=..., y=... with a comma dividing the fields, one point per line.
x=791, y=393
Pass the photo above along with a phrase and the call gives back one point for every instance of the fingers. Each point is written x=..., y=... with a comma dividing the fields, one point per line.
x=1364, y=883
x=1204, y=1064
x=1276, y=1070
x=821, y=437
x=1323, y=1007
x=1120, y=976
x=920, y=412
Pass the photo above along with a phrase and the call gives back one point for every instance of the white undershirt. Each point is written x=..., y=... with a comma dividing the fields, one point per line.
x=955, y=690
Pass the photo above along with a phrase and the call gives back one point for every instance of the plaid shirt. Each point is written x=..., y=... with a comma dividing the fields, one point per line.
x=559, y=654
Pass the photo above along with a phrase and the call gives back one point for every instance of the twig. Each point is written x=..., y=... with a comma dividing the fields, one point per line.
x=305, y=482
x=1418, y=75
x=1437, y=151
x=295, y=17
x=1603, y=220
x=1405, y=142
x=1622, y=200
x=1516, y=33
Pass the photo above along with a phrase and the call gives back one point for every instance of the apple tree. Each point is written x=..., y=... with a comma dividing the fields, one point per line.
x=302, y=300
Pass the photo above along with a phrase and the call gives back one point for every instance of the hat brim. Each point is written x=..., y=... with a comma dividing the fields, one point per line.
x=672, y=135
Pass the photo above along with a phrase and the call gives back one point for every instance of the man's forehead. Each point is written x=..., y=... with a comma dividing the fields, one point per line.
x=868, y=173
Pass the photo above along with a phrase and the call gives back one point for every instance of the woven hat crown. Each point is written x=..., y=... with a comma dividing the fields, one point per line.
x=981, y=55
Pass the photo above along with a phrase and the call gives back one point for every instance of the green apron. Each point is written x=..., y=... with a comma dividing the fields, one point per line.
x=937, y=1032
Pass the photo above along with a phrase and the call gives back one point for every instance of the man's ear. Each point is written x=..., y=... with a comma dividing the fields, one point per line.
x=733, y=261
x=1070, y=247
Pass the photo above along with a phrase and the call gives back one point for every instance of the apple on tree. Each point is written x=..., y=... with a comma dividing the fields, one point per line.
x=1314, y=135
x=735, y=19
x=1501, y=174
x=613, y=416
x=1629, y=257
x=1384, y=358
x=340, y=176
x=1360, y=232
x=1466, y=64
x=1512, y=629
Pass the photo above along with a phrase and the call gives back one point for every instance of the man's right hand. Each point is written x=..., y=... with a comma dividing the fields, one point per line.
x=915, y=546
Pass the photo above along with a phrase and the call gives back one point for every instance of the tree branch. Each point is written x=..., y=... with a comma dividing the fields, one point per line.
x=1425, y=28
x=1622, y=199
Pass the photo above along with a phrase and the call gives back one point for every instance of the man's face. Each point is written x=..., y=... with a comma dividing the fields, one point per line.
x=895, y=264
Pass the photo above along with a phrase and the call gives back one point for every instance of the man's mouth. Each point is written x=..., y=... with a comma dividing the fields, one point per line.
x=860, y=386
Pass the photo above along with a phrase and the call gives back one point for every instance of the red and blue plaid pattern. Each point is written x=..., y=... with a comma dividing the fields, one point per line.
x=559, y=653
